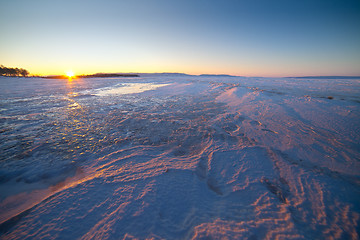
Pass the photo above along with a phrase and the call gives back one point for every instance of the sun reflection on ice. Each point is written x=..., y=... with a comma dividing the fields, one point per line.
x=129, y=88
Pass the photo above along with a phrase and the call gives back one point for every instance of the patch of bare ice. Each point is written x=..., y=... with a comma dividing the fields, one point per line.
x=129, y=88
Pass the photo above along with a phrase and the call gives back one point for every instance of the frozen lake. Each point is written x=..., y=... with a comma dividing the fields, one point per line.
x=167, y=156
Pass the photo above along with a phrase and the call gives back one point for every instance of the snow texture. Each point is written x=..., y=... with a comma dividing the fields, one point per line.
x=179, y=157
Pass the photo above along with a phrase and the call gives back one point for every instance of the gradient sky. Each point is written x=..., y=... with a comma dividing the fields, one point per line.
x=248, y=38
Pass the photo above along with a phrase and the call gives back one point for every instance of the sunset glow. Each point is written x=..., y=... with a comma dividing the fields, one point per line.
x=70, y=74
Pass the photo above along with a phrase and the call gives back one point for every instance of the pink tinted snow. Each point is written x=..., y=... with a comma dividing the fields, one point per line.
x=222, y=161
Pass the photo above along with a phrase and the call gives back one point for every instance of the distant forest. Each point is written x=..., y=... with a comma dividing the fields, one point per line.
x=13, y=72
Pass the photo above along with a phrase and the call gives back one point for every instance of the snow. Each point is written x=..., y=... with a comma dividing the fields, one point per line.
x=179, y=157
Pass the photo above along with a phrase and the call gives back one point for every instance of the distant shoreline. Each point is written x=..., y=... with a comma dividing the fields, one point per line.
x=327, y=77
x=97, y=75
x=110, y=75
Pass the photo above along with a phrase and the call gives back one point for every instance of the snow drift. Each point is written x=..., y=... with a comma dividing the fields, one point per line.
x=180, y=157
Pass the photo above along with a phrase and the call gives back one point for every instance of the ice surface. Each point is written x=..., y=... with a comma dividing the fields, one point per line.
x=180, y=157
x=128, y=88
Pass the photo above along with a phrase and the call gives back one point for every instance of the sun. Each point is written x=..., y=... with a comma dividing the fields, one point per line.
x=70, y=74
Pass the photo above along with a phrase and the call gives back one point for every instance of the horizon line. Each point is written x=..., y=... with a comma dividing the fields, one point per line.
x=207, y=74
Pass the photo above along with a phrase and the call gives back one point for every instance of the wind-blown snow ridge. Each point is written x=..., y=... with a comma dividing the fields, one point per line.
x=190, y=158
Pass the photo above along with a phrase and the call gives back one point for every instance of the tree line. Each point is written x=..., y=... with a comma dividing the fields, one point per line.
x=13, y=72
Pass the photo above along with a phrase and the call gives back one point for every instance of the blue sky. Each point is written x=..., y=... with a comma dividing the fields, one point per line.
x=250, y=38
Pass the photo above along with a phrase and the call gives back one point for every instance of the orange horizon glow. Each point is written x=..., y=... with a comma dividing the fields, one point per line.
x=246, y=70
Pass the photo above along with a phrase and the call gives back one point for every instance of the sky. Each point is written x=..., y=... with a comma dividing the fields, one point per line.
x=239, y=37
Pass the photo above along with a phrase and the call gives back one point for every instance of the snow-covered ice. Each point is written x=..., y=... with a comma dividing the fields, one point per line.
x=180, y=157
